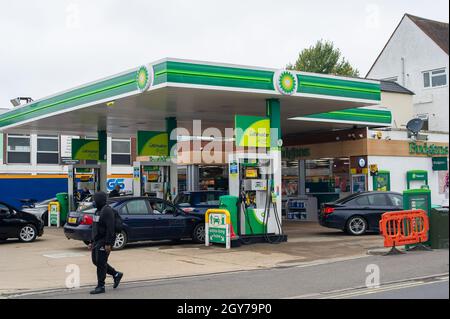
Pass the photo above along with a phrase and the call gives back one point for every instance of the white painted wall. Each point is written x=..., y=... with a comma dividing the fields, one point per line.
x=400, y=106
x=398, y=166
x=420, y=54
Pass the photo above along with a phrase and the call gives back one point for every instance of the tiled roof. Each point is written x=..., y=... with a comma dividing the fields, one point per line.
x=390, y=86
x=437, y=31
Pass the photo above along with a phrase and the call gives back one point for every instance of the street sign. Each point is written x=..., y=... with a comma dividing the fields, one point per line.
x=217, y=230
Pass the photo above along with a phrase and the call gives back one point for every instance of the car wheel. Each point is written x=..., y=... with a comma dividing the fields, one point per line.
x=27, y=233
x=121, y=241
x=356, y=226
x=198, y=235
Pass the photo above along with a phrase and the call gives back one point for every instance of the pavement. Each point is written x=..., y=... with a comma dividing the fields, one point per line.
x=416, y=275
x=48, y=262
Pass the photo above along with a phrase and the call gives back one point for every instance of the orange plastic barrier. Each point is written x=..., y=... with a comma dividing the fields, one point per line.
x=404, y=227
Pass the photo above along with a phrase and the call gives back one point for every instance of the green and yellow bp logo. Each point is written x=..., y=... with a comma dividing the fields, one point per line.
x=143, y=78
x=285, y=82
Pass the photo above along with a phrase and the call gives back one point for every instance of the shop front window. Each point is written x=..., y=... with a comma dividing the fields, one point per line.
x=289, y=178
x=213, y=177
x=328, y=175
x=182, y=183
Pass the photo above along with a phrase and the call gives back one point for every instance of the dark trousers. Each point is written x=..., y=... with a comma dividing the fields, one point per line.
x=100, y=259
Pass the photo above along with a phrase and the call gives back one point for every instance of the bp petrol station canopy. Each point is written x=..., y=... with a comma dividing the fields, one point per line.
x=142, y=98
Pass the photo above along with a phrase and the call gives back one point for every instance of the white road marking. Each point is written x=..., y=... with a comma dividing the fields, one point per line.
x=370, y=291
x=353, y=292
x=60, y=255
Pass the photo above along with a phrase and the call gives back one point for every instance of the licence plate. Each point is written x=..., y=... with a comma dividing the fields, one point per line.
x=72, y=220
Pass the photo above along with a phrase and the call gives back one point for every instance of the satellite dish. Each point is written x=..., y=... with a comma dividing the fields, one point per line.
x=415, y=125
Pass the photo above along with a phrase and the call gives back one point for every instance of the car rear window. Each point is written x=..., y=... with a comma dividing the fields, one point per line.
x=209, y=199
x=346, y=199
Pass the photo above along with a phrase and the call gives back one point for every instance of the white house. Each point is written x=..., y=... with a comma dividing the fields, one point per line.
x=416, y=56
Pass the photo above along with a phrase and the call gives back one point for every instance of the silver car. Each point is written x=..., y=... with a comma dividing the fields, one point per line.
x=39, y=209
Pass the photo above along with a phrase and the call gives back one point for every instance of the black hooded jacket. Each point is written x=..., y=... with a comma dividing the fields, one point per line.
x=103, y=230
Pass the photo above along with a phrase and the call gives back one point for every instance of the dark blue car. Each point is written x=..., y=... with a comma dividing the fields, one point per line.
x=198, y=201
x=144, y=218
x=359, y=213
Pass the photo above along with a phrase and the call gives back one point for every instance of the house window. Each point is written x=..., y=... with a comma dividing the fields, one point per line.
x=120, y=152
x=47, y=149
x=19, y=151
x=435, y=78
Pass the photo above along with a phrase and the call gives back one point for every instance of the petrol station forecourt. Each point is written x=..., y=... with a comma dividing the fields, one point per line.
x=171, y=94
x=162, y=101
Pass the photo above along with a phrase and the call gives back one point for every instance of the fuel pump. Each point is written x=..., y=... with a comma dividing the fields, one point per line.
x=92, y=177
x=254, y=179
x=156, y=179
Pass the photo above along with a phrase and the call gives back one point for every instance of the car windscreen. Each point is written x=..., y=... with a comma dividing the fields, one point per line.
x=45, y=202
x=182, y=199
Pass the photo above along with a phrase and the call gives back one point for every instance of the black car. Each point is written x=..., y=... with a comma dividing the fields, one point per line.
x=361, y=212
x=144, y=218
x=18, y=224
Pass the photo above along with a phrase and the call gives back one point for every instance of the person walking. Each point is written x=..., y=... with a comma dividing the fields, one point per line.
x=103, y=238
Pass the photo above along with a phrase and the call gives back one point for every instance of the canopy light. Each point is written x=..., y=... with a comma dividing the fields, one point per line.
x=17, y=101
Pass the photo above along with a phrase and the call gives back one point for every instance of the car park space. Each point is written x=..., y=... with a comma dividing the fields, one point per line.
x=51, y=255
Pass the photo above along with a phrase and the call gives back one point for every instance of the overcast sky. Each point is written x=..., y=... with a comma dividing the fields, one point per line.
x=51, y=45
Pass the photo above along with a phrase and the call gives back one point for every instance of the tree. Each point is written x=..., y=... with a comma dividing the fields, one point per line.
x=323, y=58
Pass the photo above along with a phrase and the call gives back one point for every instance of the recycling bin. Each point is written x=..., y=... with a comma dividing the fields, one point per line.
x=439, y=228
x=63, y=199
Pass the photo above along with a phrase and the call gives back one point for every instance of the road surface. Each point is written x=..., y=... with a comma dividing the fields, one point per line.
x=413, y=275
